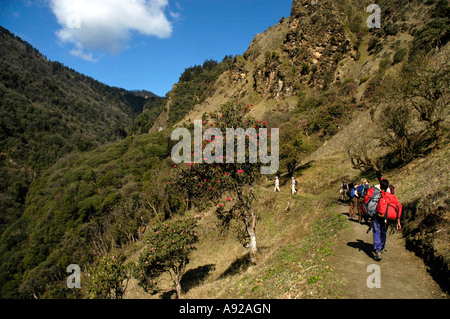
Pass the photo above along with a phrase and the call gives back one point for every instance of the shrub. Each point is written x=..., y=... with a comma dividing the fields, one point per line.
x=293, y=145
x=168, y=248
x=330, y=117
x=363, y=80
x=349, y=88
x=109, y=278
x=385, y=63
x=374, y=45
x=435, y=33
x=415, y=110
x=399, y=55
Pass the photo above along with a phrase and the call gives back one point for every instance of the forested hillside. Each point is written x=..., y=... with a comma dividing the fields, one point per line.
x=48, y=110
x=81, y=209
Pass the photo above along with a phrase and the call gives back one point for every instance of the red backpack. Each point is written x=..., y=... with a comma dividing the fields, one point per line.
x=389, y=207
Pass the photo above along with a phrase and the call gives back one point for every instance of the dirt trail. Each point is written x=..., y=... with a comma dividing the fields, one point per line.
x=402, y=274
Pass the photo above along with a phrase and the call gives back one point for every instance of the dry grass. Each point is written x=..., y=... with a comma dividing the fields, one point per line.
x=422, y=176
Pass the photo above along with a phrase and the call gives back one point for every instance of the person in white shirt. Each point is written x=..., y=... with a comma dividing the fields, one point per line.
x=277, y=185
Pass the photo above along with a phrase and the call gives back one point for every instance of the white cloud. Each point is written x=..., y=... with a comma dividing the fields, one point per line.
x=81, y=54
x=176, y=15
x=105, y=25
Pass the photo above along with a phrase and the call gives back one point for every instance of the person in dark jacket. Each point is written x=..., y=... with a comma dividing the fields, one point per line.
x=343, y=189
x=353, y=209
x=360, y=199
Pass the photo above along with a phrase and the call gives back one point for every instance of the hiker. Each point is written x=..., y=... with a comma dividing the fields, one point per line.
x=366, y=184
x=353, y=201
x=366, y=189
x=343, y=191
x=277, y=185
x=379, y=226
x=378, y=185
x=360, y=193
x=294, y=182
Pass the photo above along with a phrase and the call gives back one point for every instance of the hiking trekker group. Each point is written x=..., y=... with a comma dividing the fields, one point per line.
x=376, y=206
x=293, y=185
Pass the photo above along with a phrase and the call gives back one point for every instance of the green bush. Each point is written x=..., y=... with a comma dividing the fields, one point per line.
x=384, y=63
x=374, y=45
x=435, y=33
x=399, y=55
x=109, y=278
x=168, y=248
x=329, y=118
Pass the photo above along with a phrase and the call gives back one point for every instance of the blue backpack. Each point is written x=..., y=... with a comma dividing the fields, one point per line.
x=360, y=190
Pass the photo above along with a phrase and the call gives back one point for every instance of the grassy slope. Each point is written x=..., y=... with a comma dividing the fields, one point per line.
x=296, y=233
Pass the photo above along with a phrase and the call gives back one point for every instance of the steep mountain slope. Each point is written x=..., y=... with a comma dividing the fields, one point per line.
x=322, y=47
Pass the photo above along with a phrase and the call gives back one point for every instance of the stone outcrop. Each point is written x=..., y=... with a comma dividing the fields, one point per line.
x=313, y=41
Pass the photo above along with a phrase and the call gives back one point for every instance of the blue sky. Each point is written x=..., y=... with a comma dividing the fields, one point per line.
x=139, y=44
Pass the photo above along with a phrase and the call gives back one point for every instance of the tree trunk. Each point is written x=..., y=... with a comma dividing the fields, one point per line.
x=178, y=286
x=251, y=227
x=250, y=223
x=249, y=217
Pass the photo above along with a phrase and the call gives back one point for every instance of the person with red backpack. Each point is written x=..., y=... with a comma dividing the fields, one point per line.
x=389, y=211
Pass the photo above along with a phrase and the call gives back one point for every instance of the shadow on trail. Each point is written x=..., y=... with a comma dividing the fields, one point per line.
x=361, y=245
x=192, y=278
x=239, y=265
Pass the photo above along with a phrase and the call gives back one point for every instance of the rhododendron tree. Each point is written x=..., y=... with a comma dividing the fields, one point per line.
x=169, y=245
x=227, y=184
x=109, y=278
